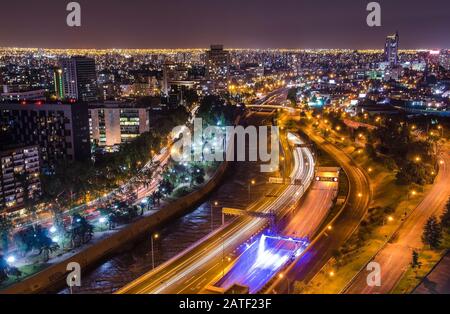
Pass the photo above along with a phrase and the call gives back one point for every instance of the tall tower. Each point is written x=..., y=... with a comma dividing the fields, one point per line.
x=58, y=81
x=391, y=49
x=217, y=65
x=79, y=78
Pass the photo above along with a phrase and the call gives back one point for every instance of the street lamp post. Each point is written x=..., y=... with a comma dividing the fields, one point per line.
x=211, y=206
x=281, y=276
x=252, y=182
x=153, y=255
x=412, y=193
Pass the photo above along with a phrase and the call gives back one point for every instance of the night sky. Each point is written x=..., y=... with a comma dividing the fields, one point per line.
x=234, y=23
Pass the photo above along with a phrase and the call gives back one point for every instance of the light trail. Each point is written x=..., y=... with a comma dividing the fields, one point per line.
x=232, y=238
x=262, y=260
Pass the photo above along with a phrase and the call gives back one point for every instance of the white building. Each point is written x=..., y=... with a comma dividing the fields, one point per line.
x=114, y=123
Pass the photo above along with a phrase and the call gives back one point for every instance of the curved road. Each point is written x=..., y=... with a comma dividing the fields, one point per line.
x=322, y=248
x=394, y=258
x=193, y=269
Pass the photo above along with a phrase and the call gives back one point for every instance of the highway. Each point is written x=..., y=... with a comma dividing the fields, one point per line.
x=395, y=257
x=193, y=269
x=264, y=259
x=342, y=227
x=275, y=97
x=312, y=210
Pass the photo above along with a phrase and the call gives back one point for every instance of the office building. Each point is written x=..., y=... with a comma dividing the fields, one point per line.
x=79, y=78
x=114, y=123
x=20, y=95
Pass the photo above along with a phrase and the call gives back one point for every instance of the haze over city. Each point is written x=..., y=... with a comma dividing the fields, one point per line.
x=234, y=23
x=237, y=155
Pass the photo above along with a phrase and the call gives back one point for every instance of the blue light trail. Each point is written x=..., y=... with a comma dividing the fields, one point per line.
x=262, y=260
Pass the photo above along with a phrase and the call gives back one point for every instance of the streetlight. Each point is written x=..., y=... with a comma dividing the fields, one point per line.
x=388, y=219
x=252, y=182
x=211, y=206
x=281, y=276
x=11, y=259
x=155, y=236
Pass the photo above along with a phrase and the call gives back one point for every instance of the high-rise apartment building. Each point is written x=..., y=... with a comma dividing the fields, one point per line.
x=60, y=130
x=79, y=78
x=391, y=49
x=218, y=66
x=19, y=177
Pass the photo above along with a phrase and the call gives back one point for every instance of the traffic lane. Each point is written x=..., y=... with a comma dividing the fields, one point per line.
x=284, y=199
x=395, y=257
x=321, y=250
x=144, y=282
x=210, y=273
x=244, y=230
x=312, y=210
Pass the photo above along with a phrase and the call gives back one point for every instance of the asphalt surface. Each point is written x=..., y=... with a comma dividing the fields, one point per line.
x=196, y=267
x=323, y=247
x=312, y=210
x=396, y=255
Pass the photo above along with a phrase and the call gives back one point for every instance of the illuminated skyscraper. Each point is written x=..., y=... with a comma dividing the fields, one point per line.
x=79, y=78
x=391, y=49
x=58, y=81
x=217, y=66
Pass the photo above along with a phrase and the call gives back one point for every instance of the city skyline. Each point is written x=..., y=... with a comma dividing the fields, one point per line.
x=318, y=167
x=289, y=24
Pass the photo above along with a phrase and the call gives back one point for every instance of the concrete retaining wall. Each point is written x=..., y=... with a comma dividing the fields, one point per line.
x=55, y=275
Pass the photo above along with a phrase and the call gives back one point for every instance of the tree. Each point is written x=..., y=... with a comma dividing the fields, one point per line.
x=44, y=243
x=3, y=269
x=198, y=174
x=24, y=240
x=81, y=230
x=5, y=229
x=432, y=233
x=415, y=263
x=292, y=96
x=412, y=172
x=445, y=218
